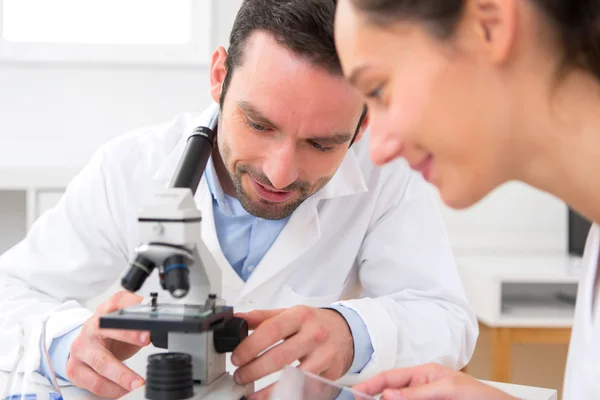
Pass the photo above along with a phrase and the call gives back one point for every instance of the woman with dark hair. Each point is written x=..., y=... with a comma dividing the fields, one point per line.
x=475, y=93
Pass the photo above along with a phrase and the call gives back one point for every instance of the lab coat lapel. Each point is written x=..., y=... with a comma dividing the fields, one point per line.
x=301, y=232
x=232, y=283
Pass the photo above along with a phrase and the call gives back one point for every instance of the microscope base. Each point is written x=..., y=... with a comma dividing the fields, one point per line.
x=223, y=388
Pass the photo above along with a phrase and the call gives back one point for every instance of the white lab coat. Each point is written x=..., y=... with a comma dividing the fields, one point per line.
x=582, y=379
x=375, y=231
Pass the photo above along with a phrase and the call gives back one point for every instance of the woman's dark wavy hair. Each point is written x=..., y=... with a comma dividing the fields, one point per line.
x=577, y=22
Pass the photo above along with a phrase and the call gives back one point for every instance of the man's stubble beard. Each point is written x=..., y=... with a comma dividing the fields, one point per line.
x=262, y=208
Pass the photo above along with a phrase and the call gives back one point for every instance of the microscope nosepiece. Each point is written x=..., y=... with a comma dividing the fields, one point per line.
x=139, y=270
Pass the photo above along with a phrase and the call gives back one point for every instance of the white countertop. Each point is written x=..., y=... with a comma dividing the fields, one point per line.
x=525, y=392
x=72, y=393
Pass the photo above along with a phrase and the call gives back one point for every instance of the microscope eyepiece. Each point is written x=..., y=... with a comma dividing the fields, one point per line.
x=176, y=276
x=139, y=270
x=196, y=154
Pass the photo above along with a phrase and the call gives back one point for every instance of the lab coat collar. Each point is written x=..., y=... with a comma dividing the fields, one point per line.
x=347, y=181
x=167, y=169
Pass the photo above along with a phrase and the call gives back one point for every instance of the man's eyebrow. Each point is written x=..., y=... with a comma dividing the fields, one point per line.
x=326, y=140
x=338, y=138
x=255, y=115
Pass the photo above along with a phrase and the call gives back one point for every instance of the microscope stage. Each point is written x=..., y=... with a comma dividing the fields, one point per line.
x=168, y=318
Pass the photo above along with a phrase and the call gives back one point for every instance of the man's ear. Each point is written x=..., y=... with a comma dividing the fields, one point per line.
x=218, y=71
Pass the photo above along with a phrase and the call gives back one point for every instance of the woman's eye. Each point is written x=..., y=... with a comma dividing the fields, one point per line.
x=375, y=94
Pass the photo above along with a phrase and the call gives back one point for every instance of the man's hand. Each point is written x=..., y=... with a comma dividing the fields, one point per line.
x=95, y=362
x=429, y=382
x=319, y=338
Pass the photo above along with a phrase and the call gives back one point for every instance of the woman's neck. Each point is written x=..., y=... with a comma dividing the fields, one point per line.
x=564, y=157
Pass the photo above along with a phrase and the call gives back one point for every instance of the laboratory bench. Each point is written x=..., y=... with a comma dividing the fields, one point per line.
x=73, y=393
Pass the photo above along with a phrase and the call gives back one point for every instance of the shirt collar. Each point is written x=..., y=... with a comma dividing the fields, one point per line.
x=348, y=179
x=185, y=128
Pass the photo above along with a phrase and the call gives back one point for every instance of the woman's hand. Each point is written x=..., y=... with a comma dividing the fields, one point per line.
x=429, y=382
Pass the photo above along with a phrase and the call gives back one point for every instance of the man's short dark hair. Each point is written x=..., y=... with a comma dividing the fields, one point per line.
x=304, y=27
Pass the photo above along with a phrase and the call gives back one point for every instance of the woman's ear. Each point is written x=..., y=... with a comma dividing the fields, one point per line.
x=218, y=71
x=496, y=22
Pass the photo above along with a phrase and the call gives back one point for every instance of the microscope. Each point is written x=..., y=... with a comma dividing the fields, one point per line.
x=199, y=331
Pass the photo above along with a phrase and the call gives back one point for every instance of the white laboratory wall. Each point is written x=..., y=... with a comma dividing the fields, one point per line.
x=56, y=114
x=514, y=219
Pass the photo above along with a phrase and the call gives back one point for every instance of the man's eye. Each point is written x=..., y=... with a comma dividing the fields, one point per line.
x=257, y=127
x=319, y=147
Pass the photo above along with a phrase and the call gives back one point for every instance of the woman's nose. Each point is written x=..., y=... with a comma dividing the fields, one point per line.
x=385, y=145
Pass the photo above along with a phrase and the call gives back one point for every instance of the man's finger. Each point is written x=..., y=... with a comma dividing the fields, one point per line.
x=255, y=318
x=86, y=378
x=316, y=363
x=135, y=338
x=395, y=378
x=118, y=301
x=106, y=364
x=272, y=360
x=266, y=335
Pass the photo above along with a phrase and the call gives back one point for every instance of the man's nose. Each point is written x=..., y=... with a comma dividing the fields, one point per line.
x=281, y=166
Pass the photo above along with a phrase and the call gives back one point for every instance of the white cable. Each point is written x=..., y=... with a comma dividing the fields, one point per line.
x=13, y=373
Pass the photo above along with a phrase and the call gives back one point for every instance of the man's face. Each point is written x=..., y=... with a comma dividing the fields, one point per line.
x=285, y=126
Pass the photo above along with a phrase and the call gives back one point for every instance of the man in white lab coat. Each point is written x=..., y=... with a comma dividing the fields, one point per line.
x=352, y=261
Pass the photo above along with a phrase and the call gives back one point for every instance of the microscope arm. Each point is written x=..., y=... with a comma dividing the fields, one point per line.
x=170, y=231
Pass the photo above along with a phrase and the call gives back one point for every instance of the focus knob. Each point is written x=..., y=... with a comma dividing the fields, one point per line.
x=231, y=335
x=169, y=377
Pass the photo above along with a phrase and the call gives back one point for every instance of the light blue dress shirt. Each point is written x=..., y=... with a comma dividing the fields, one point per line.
x=244, y=240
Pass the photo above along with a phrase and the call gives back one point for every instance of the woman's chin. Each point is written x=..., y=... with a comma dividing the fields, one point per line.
x=458, y=198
